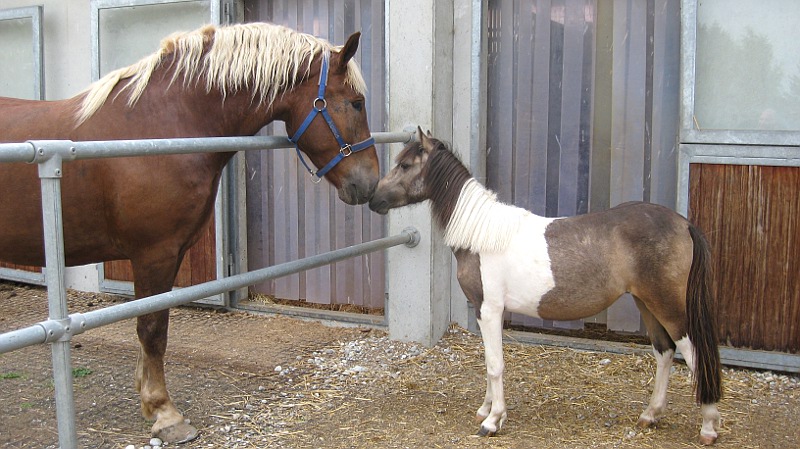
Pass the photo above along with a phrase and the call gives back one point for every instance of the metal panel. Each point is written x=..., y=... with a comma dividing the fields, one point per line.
x=643, y=115
x=629, y=142
x=292, y=217
x=540, y=67
x=628, y=108
x=665, y=103
x=544, y=111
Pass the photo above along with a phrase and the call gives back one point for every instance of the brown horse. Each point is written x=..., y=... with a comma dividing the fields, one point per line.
x=214, y=81
x=566, y=269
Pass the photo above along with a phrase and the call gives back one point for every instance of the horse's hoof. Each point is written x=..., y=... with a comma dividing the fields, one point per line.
x=708, y=440
x=645, y=423
x=484, y=432
x=177, y=434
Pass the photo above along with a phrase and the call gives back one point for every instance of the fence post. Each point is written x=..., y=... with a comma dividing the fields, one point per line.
x=49, y=156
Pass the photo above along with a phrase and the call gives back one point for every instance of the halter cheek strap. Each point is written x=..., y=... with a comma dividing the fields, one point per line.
x=320, y=107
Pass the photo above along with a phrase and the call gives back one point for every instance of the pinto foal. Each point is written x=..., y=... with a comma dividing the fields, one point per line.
x=567, y=269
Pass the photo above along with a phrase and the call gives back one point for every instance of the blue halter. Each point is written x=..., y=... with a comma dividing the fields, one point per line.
x=320, y=106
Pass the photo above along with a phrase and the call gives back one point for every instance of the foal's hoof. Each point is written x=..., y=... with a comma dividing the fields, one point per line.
x=177, y=434
x=645, y=423
x=484, y=432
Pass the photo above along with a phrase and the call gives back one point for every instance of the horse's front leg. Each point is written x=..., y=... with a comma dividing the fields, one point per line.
x=169, y=425
x=493, y=410
x=153, y=274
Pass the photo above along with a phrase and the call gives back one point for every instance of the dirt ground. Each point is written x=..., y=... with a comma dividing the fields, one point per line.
x=250, y=381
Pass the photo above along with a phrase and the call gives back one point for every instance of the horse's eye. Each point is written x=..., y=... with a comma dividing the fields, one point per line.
x=358, y=105
x=404, y=166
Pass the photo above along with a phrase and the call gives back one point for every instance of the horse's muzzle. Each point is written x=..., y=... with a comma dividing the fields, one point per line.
x=354, y=193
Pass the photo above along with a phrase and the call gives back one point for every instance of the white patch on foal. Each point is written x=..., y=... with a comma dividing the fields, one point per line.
x=520, y=275
x=479, y=222
x=515, y=263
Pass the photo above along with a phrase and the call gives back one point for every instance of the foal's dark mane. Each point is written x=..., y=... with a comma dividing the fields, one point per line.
x=444, y=176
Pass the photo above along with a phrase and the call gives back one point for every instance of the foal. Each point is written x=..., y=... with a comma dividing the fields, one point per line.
x=567, y=269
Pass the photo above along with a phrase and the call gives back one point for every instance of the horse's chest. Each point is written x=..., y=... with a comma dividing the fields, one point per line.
x=519, y=276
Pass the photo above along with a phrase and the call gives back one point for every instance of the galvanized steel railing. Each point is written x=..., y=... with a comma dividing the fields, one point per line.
x=59, y=328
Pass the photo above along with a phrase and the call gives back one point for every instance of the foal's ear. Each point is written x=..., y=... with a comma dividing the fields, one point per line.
x=425, y=139
x=420, y=133
x=349, y=50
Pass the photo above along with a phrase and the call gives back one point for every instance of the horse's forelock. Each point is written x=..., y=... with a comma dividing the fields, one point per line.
x=408, y=152
x=264, y=58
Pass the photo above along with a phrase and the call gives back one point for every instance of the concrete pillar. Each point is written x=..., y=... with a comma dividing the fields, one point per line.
x=420, y=91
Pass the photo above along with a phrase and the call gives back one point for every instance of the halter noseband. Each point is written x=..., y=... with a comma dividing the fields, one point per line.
x=320, y=106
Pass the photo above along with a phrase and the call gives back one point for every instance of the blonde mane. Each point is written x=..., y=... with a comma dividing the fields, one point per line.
x=266, y=58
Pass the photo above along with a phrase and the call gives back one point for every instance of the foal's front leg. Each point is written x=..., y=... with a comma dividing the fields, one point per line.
x=493, y=411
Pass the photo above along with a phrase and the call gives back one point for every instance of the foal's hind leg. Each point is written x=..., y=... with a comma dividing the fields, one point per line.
x=710, y=413
x=664, y=351
x=150, y=279
x=664, y=344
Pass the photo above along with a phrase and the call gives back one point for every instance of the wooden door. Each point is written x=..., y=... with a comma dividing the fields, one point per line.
x=198, y=265
x=751, y=217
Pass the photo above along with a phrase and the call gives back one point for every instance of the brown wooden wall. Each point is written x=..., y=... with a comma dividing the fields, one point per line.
x=751, y=217
x=20, y=267
x=198, y=265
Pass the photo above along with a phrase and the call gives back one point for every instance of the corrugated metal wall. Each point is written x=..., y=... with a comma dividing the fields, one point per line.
x=582, y=114
x=583, y=109
x=288, y=216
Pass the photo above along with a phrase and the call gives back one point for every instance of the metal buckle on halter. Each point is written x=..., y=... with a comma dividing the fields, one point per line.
x=324, y=104
x=314, y=178
x=346, y=150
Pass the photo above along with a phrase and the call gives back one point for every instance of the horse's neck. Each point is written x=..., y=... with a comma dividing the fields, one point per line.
x=481, y=223
x=173, y=110
x=22, y=120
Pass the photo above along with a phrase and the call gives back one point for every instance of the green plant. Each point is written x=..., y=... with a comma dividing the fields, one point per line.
x=81, y=372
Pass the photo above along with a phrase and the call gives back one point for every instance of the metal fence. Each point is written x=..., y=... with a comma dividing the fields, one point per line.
x=59, y=328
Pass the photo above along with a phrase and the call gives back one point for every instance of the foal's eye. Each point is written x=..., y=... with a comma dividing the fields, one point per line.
x=404, y=166
x=358, y=105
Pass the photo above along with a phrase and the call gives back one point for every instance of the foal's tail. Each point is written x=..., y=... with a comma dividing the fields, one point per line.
x=702, y=327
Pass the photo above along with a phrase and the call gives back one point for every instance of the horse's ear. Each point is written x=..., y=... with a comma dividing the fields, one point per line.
x=425, y=140
x=349, y=49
